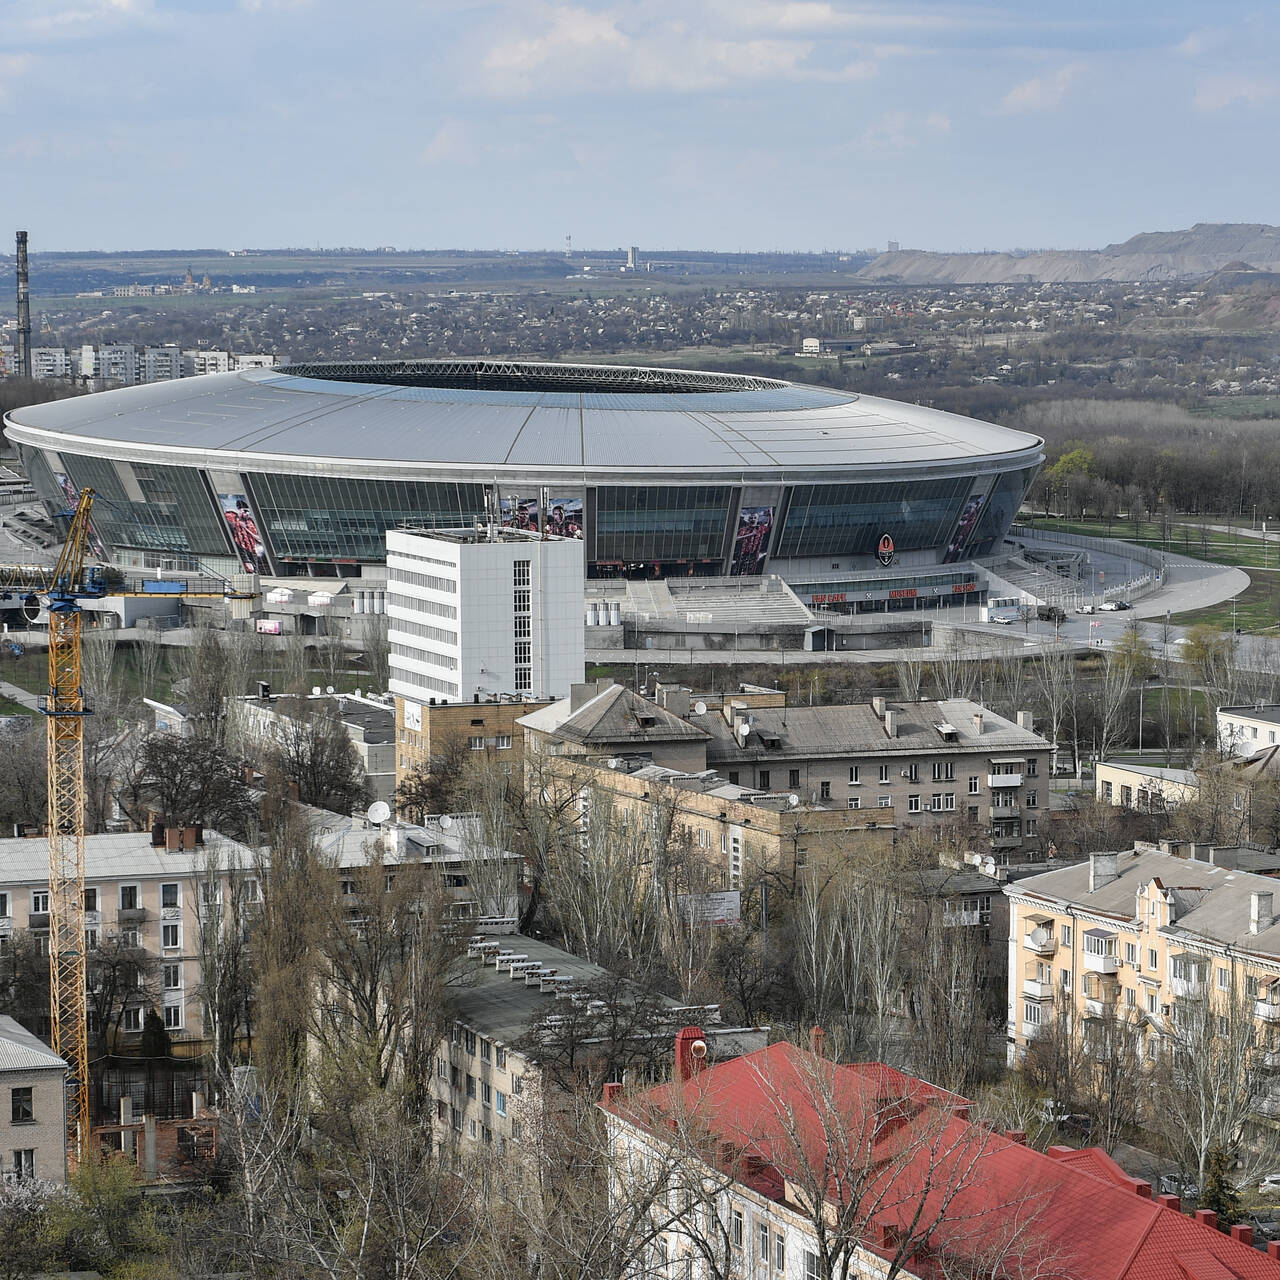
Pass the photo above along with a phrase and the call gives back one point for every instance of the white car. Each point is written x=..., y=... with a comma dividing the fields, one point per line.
x=1110, y=606
x=1270, y=1185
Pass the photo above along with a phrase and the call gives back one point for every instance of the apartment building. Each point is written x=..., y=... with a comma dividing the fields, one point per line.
x=481, y=884
x=145, y=890
x=490, y=1087
x=1245, y=730
x=1140, y=931
x=1144, y=787
x=928, y=763
x=728, y=1155
x=33, y=1106
x=739, y=832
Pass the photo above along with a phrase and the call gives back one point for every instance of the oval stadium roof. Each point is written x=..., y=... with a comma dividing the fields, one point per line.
x=463, y=414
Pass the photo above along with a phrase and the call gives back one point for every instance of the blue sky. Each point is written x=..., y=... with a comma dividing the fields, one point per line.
x=724, y=124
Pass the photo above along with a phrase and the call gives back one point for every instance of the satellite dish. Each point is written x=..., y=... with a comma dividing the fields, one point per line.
x=315, y=690
x=793, y=800
x=445, y=822
x=379, y=812
x=328, y=688
x=699, y=708
x=612, y=763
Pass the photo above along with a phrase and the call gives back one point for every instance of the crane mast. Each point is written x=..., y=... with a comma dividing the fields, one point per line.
x=65, y=707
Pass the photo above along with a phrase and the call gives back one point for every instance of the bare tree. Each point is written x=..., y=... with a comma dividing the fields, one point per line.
x=377, y=652
x=120, y=975
x=1055, y=676
x=1212, y=1072
x=1111, y=1088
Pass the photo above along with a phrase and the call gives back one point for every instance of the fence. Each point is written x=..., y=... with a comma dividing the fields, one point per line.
x=1133, y=588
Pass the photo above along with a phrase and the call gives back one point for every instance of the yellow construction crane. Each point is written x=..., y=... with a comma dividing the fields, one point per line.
x=63, y=588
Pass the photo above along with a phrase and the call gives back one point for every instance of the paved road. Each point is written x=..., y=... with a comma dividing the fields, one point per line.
x=16, y=694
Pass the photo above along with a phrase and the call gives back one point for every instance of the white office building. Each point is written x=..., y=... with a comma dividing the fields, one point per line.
x=475, y=614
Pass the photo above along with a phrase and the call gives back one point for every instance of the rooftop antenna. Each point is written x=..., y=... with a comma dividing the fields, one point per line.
x=24, y=309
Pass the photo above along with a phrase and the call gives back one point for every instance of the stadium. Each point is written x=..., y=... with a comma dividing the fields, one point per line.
x=857, y=502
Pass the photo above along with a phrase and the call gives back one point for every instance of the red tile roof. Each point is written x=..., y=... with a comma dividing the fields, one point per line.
x=1069, y=1214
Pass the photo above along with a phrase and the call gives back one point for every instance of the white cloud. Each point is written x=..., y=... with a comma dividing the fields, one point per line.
x=898, y=129
x=660, y=46
x=450, y=143
x=1216, y=92
x=1042, y=93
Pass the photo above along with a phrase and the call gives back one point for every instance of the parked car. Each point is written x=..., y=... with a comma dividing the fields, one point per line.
x=1110, y=606
x=1270, y=1185
x=1050, y=613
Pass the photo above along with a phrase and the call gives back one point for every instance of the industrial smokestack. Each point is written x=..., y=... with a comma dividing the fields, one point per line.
x=24, y=309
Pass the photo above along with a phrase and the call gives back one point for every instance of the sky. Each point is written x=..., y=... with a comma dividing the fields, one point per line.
x=668, y=124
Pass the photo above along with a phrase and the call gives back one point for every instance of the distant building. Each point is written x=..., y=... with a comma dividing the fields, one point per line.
x=1242, y=731
x=33, y=1106
x=50, y=362
x=1146, y=788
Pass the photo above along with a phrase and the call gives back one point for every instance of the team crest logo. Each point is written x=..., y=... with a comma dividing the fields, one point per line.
x=885, y=551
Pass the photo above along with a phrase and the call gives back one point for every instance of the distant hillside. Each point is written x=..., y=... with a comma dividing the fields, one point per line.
x=1152, y=256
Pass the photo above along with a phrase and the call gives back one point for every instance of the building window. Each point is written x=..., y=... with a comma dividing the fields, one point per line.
x=173, y=1017
x=517, y=1130
x=1251, y=988
x=793, y=778
x=22, y=1105
x=913, y=773
x=442, y=1069
x=486, y=1050
x=975, y=786
x=1130, y=998
x=4, y=905
x=1106, y=791
x=1031, y=1012
x=762, y=1232
x=1131, y=953
x=764, y=779
x=1153, y=1002
x=735, y=1227
x=476, y=744
x=935, y=802
x=884, y=802
x=517, y=1086
x=812, y=1266
x=1032, y=800
x=853, y=773
x=168, y=896
x=24, y=1163
x=129, y=939
x=486, y=1094
x=128, y=897
x=1065, y=935
x=471, y=1086
x=172, y=974
x=91, y=899
x=913, y=804
x=1065, y=979
x=170, y=937
x=1224, y=979
x=824, y=791
x=499, y=1057
x=949, y=802
x=503, y=742
x=779, y=1252
x=1033, y=766
x=40, y=903
x=500, y=1102
x=455, y=1119
x=733, y=777
x=1153, y=960
x=473, y=1130
x=884, y=773
x=469, y=1041
x=132, y=1020
x=855, y=802
x=944, y=770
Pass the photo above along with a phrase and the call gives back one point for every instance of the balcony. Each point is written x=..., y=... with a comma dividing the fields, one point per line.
x=1267, y=1010
x=38, y=920
x=1030, y=1030
x=6, y=926
x=1004, y=807
x=1004, y=779
x=1040, y=942
x=1035, y=989
x=132, y=915
x=1101, y=963
x=1190, y=987
x=93, y=919
x=1005, y=840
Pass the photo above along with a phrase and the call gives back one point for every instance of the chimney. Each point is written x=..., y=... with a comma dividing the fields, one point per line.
x=580, y=694
x=1207, y=1218
x=173, y=839
x=1026, y=721
x=611, y=1091
x=891, y=723
x=1260, y=917
x=1017, y=1135
x=1243, y=1232
x=877, y=705
x=1273, y=1250
x=817, y=1037
x=24, y=309
x=691, y=1052
x=1170, y=1202
x=1103, y=869
x=977, y=722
